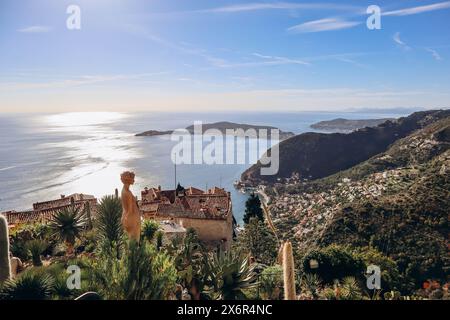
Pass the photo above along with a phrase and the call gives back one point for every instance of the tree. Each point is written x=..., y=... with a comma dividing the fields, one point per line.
x=253, y=209
x=67, y=224
x=257, y=240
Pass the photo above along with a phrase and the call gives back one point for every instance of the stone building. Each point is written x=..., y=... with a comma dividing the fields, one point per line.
x=43, y=211
x=208, y=212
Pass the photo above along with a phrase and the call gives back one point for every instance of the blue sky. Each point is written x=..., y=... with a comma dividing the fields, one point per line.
x=201, y=55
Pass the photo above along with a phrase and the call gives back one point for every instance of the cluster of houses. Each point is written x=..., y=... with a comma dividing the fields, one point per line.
x=208, y=212
x=306, y=214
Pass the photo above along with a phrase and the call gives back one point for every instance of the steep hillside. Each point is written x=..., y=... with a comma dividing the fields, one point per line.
x=397, y=201
x=317, y=155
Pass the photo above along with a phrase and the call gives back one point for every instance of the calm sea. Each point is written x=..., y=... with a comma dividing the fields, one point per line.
x=46, y=155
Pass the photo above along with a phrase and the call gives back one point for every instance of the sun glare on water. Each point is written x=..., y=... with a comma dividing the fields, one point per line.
x=94, y=150
x=71, y=119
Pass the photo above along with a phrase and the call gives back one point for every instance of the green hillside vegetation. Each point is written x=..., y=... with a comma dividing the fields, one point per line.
x=396, y=202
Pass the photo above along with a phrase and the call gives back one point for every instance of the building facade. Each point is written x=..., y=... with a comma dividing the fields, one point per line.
x=208, y=212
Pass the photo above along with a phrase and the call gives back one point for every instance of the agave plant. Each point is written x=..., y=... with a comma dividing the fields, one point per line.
x=67, y=224
x=108, y=223
x=350, y=289
x=310, y=284
x=29, y=286
x=347, y=289
x=230, y=274
x=36, y=248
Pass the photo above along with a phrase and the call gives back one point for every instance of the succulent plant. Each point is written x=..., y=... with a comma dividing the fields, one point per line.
x=288, y=272
x=5, y=263
x=36, y=247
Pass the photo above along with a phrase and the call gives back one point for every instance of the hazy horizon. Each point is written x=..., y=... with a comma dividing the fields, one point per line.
x=223, y=55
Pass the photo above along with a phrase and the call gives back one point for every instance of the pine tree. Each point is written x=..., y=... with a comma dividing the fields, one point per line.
x=253, y=209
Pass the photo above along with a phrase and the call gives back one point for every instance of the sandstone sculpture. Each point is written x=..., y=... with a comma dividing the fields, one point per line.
x=131, y=217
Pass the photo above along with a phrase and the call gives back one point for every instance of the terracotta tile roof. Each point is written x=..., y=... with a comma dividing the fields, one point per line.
x=196, y=203
x=44, y=215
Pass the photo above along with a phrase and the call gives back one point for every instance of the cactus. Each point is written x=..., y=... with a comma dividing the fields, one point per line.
x=280, y=254
x=5, y=263
x=288, y=272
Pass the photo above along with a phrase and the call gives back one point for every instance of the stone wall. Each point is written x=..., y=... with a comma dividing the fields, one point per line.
x=209, y=231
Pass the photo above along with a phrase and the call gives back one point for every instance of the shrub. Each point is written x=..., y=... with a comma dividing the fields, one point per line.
x=24, y=233
x=335, y=262
x=390, y=276
x=149, y=228
x=141, y=273
x=271, y=283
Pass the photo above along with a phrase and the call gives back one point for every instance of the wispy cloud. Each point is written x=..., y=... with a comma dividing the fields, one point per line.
x=182, y=47
x=419, y=9
x=399, y=41
x=216, y=62
x=258, y=6
x=327, y=24
x=280, y=60
x=434, y=54
x=35, y=29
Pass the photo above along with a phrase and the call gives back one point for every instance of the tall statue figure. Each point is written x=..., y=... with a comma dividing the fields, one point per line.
x=131, y=217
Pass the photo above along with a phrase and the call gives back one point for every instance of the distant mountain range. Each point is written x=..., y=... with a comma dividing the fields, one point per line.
x=317, y=155
x=345, y=125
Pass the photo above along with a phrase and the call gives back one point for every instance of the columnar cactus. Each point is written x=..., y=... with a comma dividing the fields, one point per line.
x=288, y=272
x=5, y=263
x=280, y=254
